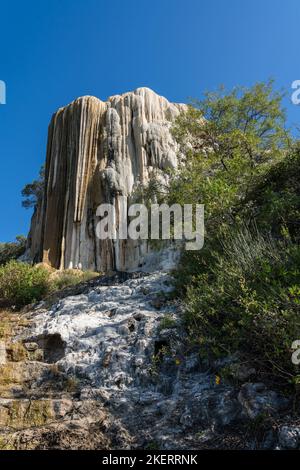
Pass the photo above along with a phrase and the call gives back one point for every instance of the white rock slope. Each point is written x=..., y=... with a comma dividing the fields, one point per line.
x=108, y=332
x=123, y=343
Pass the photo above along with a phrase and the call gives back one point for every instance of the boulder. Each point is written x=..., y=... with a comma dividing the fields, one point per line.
x=289, y=437
x=257, y=400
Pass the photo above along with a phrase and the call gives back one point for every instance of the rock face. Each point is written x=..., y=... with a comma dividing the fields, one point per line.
x=97, y=152
x=112, y=367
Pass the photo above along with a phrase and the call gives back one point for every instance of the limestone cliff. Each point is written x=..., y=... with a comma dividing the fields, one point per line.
x=98, y=151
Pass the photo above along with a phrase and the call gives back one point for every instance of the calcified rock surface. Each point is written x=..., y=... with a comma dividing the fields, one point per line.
x=98, y=151
x=111, y=367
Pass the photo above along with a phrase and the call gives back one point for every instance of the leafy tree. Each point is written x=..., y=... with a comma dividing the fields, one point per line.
x=242, y=290
x=227, y=140
x=33, y=192
x=12, y=250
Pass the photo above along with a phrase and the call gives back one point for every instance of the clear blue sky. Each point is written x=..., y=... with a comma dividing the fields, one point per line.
x=54, y=51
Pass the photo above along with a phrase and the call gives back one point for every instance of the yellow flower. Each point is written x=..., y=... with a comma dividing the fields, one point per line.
x=218, y=380
x=177, y=361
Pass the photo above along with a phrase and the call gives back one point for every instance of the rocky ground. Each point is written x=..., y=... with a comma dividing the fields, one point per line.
x=106, y=365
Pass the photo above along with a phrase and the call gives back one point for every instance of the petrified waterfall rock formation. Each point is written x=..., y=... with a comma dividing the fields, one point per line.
x=98, y=151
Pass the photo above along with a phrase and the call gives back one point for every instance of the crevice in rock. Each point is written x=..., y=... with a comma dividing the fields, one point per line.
x=53, y=346
x=159, y=347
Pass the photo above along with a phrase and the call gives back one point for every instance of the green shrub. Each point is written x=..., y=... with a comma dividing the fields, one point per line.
x=21, y=284
x=274, y=198
x=242, y=290
x=167, y=322
x=248, y=299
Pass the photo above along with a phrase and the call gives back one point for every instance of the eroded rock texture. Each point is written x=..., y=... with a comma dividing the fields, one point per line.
x=112, y=367
x=98, y=151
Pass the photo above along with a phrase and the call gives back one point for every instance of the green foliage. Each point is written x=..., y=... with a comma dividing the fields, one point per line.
x=12, y=250
x=153, y=191
x=248, y=299
x=274, y=199
x=242, y=290
x=227, y=140
x=33, y=192
x=167, y=322
x=21, y=284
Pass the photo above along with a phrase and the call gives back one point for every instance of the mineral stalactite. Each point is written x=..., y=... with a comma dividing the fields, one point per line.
x=98, y=151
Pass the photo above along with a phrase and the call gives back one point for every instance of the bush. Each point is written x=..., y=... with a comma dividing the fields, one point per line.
x=274, y=199
x=248, y=300
x=242, y=290
x=21, y=284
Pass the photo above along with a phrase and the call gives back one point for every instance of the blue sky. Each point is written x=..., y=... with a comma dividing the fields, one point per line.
x=54, y=51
